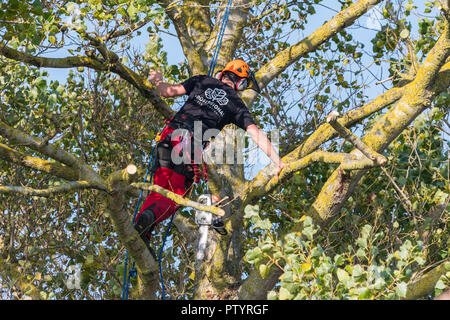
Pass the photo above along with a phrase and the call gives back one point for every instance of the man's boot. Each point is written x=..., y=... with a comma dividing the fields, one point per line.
x=144, y=226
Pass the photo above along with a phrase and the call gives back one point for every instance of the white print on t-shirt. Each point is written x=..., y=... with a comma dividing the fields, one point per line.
x=212, y=98
x=218, y=95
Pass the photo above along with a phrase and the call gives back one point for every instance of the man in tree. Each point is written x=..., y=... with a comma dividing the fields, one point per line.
x=214, y=103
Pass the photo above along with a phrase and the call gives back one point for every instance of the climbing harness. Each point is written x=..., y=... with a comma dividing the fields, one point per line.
x=133, y=273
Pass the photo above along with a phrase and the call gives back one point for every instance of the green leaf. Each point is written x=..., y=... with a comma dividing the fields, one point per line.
x=420, y=261
x=339, y=260
x=272, y=295
x=403, y=253
x=342, y=275
x=90, y=259
x=365, y=231
x=52, y=39
x=41, y=83
x=251, y=211
x=364, y=293
x=34, y=92
x=306, y=267
x=362, y=242
x=288, y=276
x=132, y=10
x=252, y=254
x=357, y=272
x=379, y=284
x=361, y=253
x=440, y=285
x=285, y=294
x=440, y=197
x=404, y=34
x=401, y=290
x=264, y=224
x=309, y=232
x=316, y=252
x=264, y=270
x=266, y=247
x=308, y=221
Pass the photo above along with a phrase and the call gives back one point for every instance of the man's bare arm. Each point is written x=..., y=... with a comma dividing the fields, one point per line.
x=165, y=89
x=266, y=146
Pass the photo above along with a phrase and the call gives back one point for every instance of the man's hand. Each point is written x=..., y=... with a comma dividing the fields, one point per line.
x=156, y=77
x=281, y=166
x=164, y=89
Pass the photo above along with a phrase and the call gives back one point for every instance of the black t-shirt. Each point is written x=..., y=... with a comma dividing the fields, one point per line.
x=213, y=103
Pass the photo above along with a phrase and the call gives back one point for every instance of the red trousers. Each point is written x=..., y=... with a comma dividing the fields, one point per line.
x=168, y=179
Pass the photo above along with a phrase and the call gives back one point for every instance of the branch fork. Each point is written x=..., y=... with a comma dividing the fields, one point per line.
x=332, y=119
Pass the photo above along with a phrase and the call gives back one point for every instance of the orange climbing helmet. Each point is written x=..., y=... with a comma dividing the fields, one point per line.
x=241, y=69
x=238, y=67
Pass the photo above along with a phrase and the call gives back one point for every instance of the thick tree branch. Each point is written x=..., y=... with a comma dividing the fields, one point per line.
x=347, y=162
x=112, y=64
x=42, y=62
x=188, y=229
x=178, y=199
x=354, y=140
x=65, y=188
x=198, y=37
x=85, y=172
x=325, y=132
x=426, y=283
x=435, y=60
x=144, y=87
x=115, y=205
x=52, y=167
x=179, y=17
x=113, y=61
x=237, y=20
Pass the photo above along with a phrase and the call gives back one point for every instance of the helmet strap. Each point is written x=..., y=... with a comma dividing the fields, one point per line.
x=255, y=86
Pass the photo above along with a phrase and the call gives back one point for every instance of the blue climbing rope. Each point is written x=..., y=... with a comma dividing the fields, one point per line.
x=212, y=66
x=132, y=272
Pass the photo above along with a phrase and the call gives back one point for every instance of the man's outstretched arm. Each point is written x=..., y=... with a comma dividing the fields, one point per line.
x=266, y=146
x=165, y=89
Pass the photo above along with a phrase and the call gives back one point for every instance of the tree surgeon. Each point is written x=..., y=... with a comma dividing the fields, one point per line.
x=212, y=102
